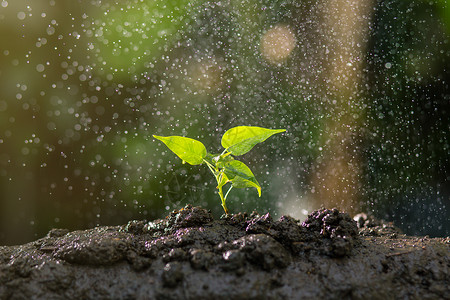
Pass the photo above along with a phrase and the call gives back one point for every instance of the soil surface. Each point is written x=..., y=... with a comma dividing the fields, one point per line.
x=189, y=255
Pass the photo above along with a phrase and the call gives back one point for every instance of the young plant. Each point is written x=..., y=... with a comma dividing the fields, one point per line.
x=236, y=141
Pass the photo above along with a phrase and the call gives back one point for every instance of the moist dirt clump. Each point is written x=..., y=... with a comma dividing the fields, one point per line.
x=191, y=255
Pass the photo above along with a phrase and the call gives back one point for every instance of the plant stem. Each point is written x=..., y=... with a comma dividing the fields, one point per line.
x=217, y=175
x=226, y=195
x=223, y=200
x=209, y=165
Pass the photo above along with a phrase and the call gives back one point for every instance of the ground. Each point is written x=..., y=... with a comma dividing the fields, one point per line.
x=189, y=255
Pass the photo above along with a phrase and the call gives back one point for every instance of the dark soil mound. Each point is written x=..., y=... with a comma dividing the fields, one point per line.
x=189, y=255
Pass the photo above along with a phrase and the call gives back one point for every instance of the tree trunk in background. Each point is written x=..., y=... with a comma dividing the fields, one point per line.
x=337, y=177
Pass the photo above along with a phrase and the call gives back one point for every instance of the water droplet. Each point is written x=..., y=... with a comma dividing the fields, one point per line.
x=20, y=15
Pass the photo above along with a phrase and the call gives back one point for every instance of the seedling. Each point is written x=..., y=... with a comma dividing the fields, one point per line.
x=236, y=141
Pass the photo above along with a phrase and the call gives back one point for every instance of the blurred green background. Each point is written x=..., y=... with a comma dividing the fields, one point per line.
x=361, y=87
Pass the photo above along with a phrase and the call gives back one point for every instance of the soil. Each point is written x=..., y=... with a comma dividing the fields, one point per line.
x=189, y=255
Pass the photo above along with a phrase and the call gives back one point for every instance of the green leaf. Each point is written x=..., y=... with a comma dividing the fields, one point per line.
x=189, y=150
x=241, y=176
x=223, y=159
x=211, y=158
x=223, y=180
x=219, y=160
x=241, y=139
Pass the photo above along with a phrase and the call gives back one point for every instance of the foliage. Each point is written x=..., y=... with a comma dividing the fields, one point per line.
x=236, y=141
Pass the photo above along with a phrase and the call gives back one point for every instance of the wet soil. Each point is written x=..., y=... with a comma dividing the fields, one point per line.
x=189, y=255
